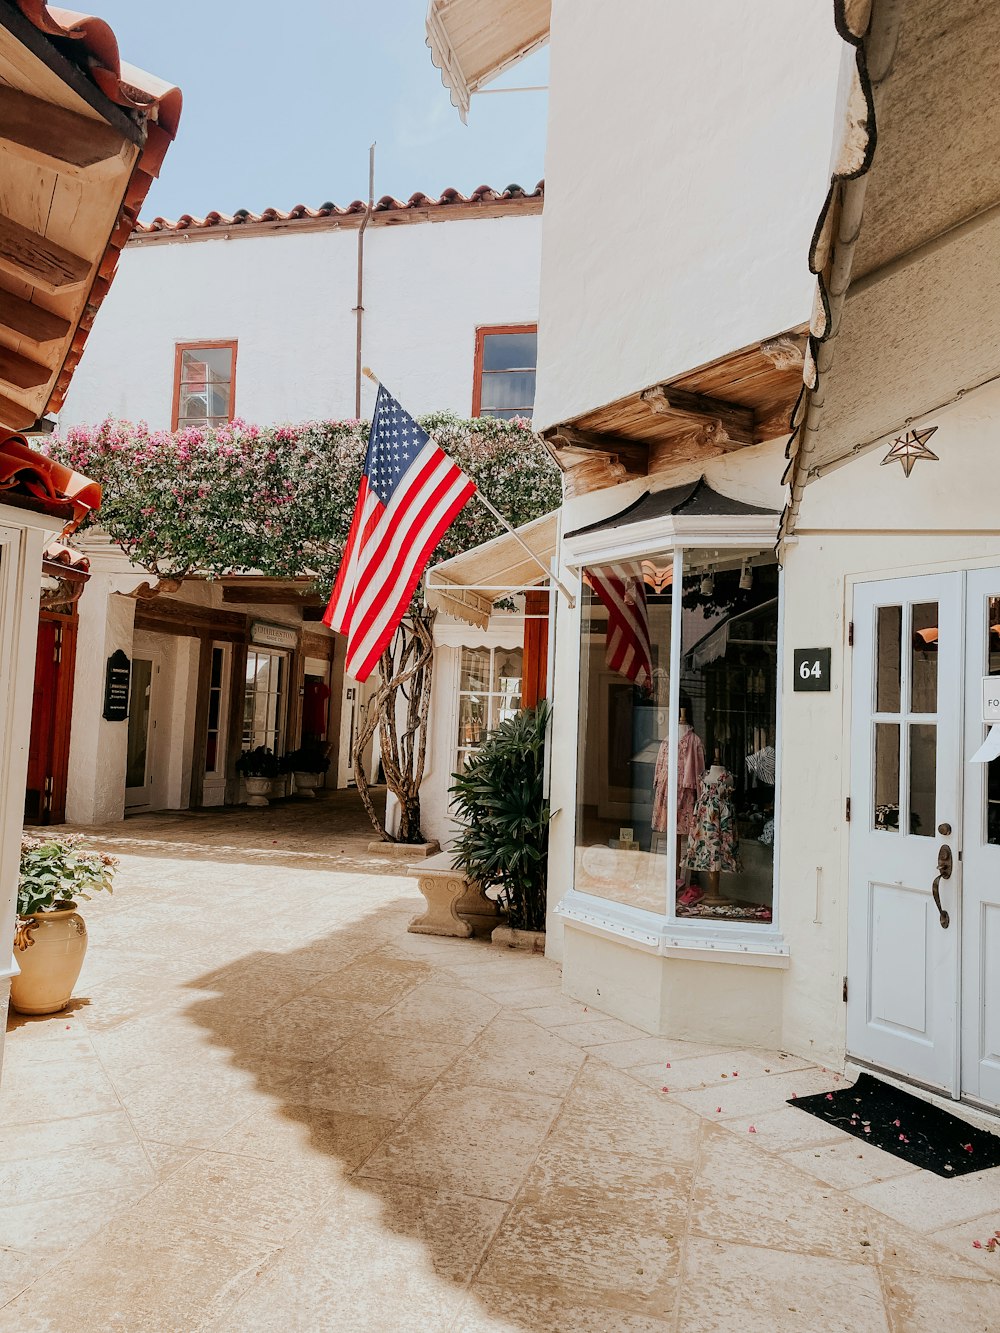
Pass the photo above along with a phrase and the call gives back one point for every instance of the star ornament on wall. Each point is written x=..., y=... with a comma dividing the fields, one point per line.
x=911, y=447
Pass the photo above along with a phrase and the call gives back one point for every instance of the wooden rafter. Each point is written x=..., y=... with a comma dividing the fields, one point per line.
x=30, y=320
x=52, y=136
x=38, y=261
x=719, y=422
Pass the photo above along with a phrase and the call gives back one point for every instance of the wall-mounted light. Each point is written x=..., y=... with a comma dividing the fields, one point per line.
x=707, y=583
x=746, y=577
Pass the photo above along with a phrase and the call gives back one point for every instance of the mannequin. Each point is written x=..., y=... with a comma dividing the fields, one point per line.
x=690, y=766
x=714, y=845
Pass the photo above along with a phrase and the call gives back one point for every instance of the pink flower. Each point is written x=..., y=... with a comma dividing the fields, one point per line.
x=829, y=1096
x=664, y=1089
x=668, y=1064
x=896, y=1123
x=752, y=1129
x=718, y=1110
x=967, y=1147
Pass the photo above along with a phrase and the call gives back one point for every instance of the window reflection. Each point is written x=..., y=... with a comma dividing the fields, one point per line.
x=724, y=729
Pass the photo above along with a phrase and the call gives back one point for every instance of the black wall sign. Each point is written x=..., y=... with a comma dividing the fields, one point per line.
x=811, y=670
x=116, y=687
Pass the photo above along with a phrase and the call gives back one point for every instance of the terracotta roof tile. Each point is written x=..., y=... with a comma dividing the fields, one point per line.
x=243, y=217
x=33, y=481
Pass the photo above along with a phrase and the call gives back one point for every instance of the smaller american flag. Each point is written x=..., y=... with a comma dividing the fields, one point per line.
x=409, y=494
x=629, y=650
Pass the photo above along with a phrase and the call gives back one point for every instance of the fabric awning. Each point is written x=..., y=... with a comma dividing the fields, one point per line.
x=467, y=585
x=472, y=41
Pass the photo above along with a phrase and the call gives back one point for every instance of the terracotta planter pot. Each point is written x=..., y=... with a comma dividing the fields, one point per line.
x=50, y=948
x=306, y=784
x=258, y=790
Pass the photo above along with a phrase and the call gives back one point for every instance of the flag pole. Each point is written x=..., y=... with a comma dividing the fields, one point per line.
x=536, y=559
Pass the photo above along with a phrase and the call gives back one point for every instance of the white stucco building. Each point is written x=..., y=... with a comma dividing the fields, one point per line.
x=257, y=317
x=771, y=823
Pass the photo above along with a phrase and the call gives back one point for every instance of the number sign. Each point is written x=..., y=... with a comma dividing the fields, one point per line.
x=811, y=670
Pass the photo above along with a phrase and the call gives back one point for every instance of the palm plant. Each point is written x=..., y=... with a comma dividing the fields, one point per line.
x=503, y=843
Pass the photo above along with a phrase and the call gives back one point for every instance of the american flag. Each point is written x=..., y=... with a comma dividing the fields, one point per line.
x=629, y=650
x=410, y=492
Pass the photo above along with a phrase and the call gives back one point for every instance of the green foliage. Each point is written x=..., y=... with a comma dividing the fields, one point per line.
x=259, y=763
x=56, y=871
x=498, y=799
x=279, y=499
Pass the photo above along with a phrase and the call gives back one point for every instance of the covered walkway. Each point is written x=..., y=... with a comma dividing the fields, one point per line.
x=272, y=1108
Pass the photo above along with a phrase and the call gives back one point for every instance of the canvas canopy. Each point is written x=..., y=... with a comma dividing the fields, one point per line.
x=467, y=585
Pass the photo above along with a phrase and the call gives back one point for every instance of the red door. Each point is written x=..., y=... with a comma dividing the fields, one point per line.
x=48, y=748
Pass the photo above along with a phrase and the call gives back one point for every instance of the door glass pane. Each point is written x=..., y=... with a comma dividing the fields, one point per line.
x=475, y=670
x=924, y=658
x=890, y=625
x=886, y=812
x=138, y=723
x=923, y=779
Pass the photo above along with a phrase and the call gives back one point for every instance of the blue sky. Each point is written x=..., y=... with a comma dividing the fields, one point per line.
x=282, y=101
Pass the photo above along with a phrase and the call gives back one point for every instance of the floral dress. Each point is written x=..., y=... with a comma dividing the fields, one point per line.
x=714, y=844
x=690, y=766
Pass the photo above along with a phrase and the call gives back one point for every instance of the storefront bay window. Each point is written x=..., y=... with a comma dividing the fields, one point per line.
x=677, y=745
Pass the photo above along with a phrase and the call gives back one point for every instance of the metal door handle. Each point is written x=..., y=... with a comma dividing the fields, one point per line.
x=944, y=865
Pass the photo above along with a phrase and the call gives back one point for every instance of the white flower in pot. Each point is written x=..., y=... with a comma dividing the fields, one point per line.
x=50, y=938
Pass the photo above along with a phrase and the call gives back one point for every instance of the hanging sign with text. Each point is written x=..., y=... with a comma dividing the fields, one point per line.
x=117, y=679
x=811, y=670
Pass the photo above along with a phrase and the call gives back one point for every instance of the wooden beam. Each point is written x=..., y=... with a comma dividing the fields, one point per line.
x=725, y=422
x=31, y=321
x=51, y=136
x=20, y=371
x=270, y=596
x=629, y=453
x=38, y=261
x=15, y=415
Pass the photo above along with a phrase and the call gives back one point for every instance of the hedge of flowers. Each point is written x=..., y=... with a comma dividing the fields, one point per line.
x=278, y=499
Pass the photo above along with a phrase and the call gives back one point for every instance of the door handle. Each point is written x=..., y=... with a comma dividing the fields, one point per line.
x=944, y=866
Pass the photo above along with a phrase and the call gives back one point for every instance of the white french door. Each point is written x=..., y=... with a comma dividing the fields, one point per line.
x=924, y=899
x=903, y=951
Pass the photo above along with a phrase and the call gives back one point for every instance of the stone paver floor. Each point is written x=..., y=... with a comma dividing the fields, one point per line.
x=270, y=1108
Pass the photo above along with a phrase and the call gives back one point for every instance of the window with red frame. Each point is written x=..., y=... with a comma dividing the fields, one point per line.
x=204, y=384
x=504, y=383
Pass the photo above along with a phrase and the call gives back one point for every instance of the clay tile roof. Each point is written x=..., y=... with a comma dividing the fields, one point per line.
x=243, y=217
x=29, y=480
x=90, y=43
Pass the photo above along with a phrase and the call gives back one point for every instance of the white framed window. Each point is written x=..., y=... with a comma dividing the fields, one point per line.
x=489, y=692
x=264, y=700
x=218, y=709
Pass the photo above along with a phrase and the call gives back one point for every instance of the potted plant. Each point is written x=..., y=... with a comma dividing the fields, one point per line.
x=503, y=842
x=259, y=768
x=50, y=937
x=308, y=765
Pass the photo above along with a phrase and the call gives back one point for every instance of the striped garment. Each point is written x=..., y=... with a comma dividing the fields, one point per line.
x=629, y=650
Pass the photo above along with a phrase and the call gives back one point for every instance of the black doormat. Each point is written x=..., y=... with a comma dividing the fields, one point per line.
x=909, y=1128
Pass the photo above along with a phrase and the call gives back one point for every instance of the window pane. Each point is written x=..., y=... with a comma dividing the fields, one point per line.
x=924, y=659
x=889, y=630
x=473, y=720
x=217, y=655
x=923, y=779
x=508, y=390
x=727, y=756
x=624, y=726
x=475, y=669
x=201, y=363
x=507, y=669
x=510, y=351
x=886, y=812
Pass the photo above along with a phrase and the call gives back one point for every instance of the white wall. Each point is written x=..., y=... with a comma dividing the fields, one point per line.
x=686, y=165
x=288, y=299
x=946, y=517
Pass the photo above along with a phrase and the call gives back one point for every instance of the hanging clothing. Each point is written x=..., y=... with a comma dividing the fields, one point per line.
x=690, y=766
x=714, y=841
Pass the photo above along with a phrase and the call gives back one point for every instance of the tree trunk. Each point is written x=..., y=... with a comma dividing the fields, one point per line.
x=404, y=688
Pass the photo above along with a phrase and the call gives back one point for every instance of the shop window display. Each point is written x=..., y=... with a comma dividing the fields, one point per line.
x=718, y=808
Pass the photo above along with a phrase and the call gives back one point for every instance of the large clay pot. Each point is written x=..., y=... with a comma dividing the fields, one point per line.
x=258, y=790
x=50, y=948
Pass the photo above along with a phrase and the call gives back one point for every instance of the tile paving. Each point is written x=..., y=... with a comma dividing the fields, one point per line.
x=269, y=1107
